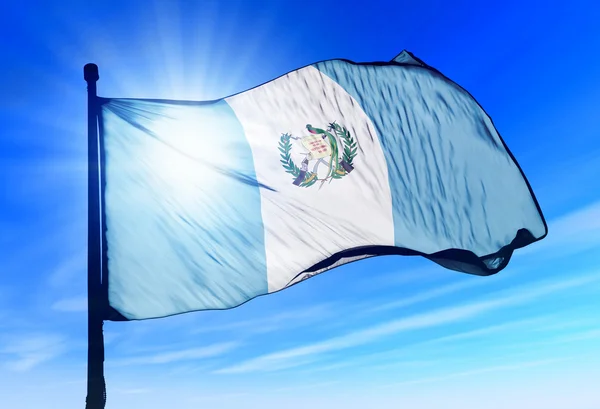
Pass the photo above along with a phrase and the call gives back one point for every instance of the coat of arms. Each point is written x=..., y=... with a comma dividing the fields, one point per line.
x=328, y=152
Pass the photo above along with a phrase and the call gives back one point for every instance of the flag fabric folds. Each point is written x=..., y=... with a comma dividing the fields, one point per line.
x=209, y=204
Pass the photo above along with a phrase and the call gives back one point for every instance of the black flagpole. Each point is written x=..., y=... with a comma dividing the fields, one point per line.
x=96, y=393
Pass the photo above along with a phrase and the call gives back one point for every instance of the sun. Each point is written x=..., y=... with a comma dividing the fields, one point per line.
x=185, y=153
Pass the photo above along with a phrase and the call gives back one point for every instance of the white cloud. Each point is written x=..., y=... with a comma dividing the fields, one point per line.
x=580, y=336
x=563, y=322
x=402, y=276
x=564, y=339
x=133, y=391
x=274, y=361
x=70, y=269
x=429, y=295
x=182, y=355
x=274, y=322
x=569, y=234
x=497, y=368
x=27, y=351
x=396, y=355
x=74, y=304
x=306, y=386
x=110, y=337
x=492, y=329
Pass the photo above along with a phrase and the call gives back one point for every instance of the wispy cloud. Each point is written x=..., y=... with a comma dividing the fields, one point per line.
x=429, y=295
x=492, y=329
x=274, y=322
x=580, y=336
x=6, y=296
x=210, y=351
x=202, y=399
x=569, y=234
x=497, y=368
x=309, y=386
x=448, y=315
x=110, y=337
x=565, y=323
x=561, y=339
x=73, y=304
x=69, y=269
x=398, y=354
x=67, y=382
x=402, y=276
x=133, y=391
x=395, y=358
x=25, y=352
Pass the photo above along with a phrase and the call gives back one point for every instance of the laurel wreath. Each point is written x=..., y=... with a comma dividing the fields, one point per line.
x=350, y=148
x=348, y=155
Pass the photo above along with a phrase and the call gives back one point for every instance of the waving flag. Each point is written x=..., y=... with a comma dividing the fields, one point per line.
x=209, y=204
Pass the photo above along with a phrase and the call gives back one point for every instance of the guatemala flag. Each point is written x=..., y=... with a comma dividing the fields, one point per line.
x=209, y=204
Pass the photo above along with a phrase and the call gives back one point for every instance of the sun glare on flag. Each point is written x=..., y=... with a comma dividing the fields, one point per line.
x=185, y=154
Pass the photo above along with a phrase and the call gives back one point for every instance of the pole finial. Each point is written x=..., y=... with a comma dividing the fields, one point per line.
x=90, y=73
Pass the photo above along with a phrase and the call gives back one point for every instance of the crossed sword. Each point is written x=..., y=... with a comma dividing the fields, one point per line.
x=304, y=165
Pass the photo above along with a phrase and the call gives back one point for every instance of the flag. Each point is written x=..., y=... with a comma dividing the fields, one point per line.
x=210, y=204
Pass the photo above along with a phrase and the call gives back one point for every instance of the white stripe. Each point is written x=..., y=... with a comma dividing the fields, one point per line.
x=305, y=225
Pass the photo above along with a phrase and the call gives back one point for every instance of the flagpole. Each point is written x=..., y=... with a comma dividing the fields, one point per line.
x=96, y=393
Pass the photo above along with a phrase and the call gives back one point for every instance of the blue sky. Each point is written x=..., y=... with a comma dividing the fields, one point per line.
x=385, y=332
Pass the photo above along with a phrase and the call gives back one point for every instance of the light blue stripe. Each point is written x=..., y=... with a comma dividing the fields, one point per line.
x=377, y=91
x=169, y=254
x=453, y=184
